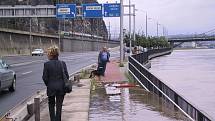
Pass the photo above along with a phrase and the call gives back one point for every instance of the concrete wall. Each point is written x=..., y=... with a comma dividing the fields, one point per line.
x=71, y=45
x=18, y=42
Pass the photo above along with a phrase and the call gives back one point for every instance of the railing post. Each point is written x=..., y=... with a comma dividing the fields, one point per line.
x=37, y=108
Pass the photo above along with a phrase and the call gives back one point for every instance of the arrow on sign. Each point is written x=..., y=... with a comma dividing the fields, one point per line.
x=106, y=13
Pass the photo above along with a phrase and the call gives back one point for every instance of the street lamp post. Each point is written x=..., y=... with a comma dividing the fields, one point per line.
x=30, y=37
x=163, y=31
x=109, y=35
x=134, y=31
x=146, y=25
x=130, y=26
x=124, y=31
x=157, y=28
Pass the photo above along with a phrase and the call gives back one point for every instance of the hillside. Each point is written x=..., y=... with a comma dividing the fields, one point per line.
x=50, y=25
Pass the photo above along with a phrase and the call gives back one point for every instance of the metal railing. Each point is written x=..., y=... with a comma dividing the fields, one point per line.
x=153, y=84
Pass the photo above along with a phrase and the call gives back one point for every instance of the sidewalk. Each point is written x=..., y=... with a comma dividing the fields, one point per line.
x=113, y=73
x=76, y=104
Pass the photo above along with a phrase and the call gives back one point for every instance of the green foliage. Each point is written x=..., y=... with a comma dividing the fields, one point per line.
x=84, y=74
x=147, y=42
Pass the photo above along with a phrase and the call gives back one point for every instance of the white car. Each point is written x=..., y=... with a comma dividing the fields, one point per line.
x=36, y=52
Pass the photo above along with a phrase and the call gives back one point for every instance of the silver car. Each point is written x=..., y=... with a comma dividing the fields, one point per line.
x=38, y=52
x=7, y=77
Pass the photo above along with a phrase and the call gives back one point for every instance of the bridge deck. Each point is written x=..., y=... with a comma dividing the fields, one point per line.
x=191, y=39
x=27, y=11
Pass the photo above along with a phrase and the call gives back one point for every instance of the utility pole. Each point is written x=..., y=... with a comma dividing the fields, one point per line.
x=121, y=31
x=130, y=25
x=30, y=37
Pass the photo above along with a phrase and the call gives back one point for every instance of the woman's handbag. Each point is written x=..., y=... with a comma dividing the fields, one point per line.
x=68, y=83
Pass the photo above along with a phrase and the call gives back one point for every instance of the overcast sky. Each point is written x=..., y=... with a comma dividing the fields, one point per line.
x=178, y=16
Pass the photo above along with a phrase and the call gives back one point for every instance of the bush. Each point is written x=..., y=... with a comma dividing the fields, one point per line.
x=147, y=42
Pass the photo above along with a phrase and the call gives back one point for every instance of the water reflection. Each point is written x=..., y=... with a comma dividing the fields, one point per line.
x=134, y=104
x=191, y=73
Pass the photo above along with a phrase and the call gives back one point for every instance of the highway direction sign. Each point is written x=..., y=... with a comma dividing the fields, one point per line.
x=92, y=10
x=66, y=11
x=112, y=10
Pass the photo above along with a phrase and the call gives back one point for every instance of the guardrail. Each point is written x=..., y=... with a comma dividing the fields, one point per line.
x=144, y=57
x=153, y=84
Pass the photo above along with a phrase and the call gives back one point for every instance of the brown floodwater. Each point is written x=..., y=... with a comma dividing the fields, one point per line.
x=191, y=73
x=133, y=104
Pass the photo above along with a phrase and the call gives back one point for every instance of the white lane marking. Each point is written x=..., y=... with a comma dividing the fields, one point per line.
x=65, y=57
x=27, y=72
x=74, y=56
x=25, y=63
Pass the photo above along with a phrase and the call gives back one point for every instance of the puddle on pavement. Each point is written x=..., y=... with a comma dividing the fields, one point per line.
x=133, y=104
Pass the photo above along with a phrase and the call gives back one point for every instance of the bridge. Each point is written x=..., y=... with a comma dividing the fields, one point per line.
x=206, y=36
x=44, y=11
x=191, y=39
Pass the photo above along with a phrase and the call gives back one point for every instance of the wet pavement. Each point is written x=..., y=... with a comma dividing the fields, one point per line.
x=191, y=73
x=134, y=104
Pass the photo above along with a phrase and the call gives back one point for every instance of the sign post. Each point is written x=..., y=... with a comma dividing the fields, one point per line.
x=121, y=32
x=64, y=11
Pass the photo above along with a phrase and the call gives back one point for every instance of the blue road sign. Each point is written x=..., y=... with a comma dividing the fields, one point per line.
x=92, y=10
x=66, y=11
x=112, y=10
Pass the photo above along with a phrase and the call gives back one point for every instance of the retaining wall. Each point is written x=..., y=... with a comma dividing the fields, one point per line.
x=18, y=42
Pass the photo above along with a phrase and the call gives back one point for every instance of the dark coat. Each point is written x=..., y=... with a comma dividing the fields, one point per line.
x=53, y=77
x=100, y=56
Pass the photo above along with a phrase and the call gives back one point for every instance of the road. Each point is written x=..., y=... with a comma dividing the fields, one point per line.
x=29, y=74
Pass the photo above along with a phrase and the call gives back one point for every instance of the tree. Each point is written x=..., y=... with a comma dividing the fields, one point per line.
x=147, y=42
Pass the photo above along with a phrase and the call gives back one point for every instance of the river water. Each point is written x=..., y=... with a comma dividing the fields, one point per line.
x=191, y=73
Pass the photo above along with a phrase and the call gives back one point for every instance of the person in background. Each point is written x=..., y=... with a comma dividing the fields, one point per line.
x=135, y=50
x=103, y=58
x=53, y=79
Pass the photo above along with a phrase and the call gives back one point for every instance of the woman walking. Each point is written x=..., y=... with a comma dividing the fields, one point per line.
x=53, y=79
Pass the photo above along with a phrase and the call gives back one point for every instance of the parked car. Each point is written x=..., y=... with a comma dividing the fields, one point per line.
x=7, y=77
x=38, y=52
